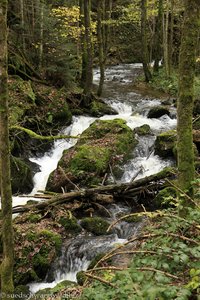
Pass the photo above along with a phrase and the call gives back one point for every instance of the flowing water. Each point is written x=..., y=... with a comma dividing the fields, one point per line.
x=133, y=108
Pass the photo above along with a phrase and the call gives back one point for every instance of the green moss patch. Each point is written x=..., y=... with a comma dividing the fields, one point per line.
x=70, y=224
x=143, y=130
x=96, y=225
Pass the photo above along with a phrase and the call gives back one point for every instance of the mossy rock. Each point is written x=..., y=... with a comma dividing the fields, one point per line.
x=143, y=130
x=158, y=111
x=70, y=224
x=99, y=108
x=35, y=255
x=34, y=218
x=165, y=143
x=23, y=276
x=21, y=176
x=165, y=198
x=87, y=162
x=96, y=225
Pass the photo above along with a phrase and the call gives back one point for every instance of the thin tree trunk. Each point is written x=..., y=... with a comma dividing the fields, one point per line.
x=6, y=269
x=166, y=39
x=100, y=45
x=89, y=50
x=185, y=152
x=145, y=59
x=83, y=45
x=108, y=14
x=41, y=34
x=158, y=36
x=22, y=23
x=171, y=38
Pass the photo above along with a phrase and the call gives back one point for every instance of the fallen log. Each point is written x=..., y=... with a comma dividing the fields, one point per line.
x=104, y=194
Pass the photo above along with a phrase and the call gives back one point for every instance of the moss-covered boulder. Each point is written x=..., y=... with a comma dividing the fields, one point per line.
x=21, y=176
x=70, y=224
x=165, y=143
x=165, y=198
x=96, y=225
x=158, y=111
x=104, y=143
x=99, y=108
x=35, y=252
x=143, y=130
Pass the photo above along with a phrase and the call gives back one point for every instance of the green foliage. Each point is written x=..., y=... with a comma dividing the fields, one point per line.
x=168, y=266
x=70, y=224
x=165, y=84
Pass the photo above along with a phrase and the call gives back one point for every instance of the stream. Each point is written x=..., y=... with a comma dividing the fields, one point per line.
x=132, y=107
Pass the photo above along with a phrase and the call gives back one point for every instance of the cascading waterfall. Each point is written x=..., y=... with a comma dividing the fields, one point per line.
x=133, y=108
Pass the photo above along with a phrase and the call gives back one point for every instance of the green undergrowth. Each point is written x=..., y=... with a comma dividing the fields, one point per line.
x=169, y=84
x=165, y=265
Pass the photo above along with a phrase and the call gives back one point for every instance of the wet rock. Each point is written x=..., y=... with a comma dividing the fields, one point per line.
x=70, y=224
x=99, y=108
x=96, y=225
x=143, y=130
x=158, y=111
x=165, y=143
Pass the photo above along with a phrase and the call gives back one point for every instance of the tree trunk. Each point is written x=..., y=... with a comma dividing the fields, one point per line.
x=41, y=34
x=185, y=150
x=145, y=59
x=6, y=193
x=22, y=23
x=171, y=37
x=166, y=40
x=158, y=36
x=89, y=50
x=100, y=46
x=83, y=45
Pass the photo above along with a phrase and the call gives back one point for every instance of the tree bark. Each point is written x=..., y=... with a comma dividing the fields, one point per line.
x=89, y=49
x=166, y=39
x=185, y=152
x=6, y=269
x=145, y=59
x=100, y=46
x=171, y=37
x=158, y=37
